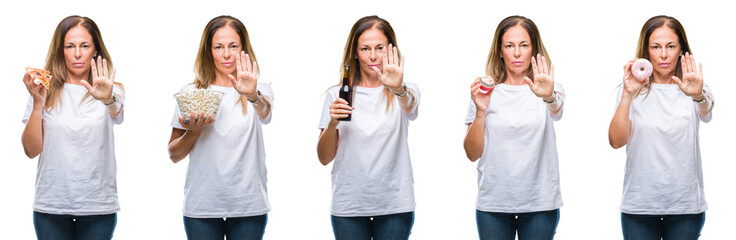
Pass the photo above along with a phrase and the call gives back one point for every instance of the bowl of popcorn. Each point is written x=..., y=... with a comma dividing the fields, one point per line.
x=197, y=101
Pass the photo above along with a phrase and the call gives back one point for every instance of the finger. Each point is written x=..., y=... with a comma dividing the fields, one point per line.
x=535, y=69
x=529, y=82
x=700, y=72
x=248, y=64
x=396, y=56
x=94, y=68
x=238, y=64
x=390, y=54
x=99, y=70
x=544, y=64
x=181, y=121
x=402, y=63
x=112, y=77
x=105, y=72
x=683, y=65
x=340, y=101
x=679, y=82
x=86, y=85
x=552, y=72
x=378, y=71
x=255, y=69
x=693, y=64
x=233, y=80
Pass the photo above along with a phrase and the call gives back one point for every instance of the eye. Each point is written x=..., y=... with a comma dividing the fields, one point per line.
x=364, y=49
x=671, y=46
x=508, y=46
x=234, y=46
x=655, y=47
x=218, y=47
x=525, y=45
x=69, y=47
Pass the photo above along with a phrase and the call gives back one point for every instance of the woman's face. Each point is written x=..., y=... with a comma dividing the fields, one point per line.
x=79, y=49
x=372, y=46
x=664, y=50
x=225, y=47
x=516, y=50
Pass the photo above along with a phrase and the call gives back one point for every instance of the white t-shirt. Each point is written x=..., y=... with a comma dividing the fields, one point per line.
x=226, y=176
x=76, y=170
x=518, y=170
x=371, y=173
x=664, y=174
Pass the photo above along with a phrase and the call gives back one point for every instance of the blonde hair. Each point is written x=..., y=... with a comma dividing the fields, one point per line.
x=350, y=56
x=495, y=66
x=56, y=64
x=204, y=64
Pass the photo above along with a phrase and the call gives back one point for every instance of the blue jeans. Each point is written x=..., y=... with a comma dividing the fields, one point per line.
x=69, y=227
x=217, y=228
x=385, y=227
x=530, y=225
x=667, y=227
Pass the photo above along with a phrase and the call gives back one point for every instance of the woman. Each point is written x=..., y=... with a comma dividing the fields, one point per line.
x=70, y=125
x=658, y=120
x=511, y=131
x=372, y=183
x=225, y=191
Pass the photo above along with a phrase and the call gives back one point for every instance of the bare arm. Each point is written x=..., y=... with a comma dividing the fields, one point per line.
x=327, y=144
x=32, y=137
x=262, y=107
x=408, y=102
x=474, y=139
x=620, y=128
x=182, y=141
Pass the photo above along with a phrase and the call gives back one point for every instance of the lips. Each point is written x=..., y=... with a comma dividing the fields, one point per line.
x=227, y=64
x=664, y=64
x=517, y=62
x=78, y=64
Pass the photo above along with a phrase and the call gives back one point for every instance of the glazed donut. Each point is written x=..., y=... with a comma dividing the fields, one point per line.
x=641, y=69
x=486, y=84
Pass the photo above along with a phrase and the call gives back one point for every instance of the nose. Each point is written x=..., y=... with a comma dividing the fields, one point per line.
x=373, y=55
x=227, y=53
x=663, y=53
x=517, y=52
x=78, y=52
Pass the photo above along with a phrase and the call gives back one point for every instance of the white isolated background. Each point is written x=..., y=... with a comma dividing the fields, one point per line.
x=299, y=45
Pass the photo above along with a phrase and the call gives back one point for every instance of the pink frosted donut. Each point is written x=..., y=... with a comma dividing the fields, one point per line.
x=641, y=69
x=486, y=84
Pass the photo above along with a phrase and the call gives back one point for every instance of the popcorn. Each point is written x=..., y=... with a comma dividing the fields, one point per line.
x=197, y=101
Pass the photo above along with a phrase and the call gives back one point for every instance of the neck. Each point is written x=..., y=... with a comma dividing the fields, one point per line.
x=515, y=78
x=369, y=81
x=663, y=78
x=76, y=79
x=222, y=80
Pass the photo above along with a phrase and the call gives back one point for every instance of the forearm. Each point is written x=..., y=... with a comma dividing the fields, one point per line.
x=557, y=101
x=115, y=108
x=180, y=147
x=32, y=138
x=475, y=139
x=706, y=105
x=327, y=145
x=263, y=107
x=620, y=128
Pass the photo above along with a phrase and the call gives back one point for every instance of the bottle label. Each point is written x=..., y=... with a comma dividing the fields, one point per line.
x=345, y=88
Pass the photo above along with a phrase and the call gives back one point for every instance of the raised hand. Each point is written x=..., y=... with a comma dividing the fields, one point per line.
x=102, y=81
x=631, y=84
x=37, y=91
x=480, y=99
x=392, y=75
x=247, y=76
x=543, y=84
x=692, y=77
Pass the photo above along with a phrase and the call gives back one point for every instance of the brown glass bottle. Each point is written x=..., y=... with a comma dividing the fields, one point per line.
x=346, y=91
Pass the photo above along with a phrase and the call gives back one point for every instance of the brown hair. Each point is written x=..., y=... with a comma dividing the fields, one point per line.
x=204, y=64
x=642, y=48
x=350, y=57
x=55, y=62
x=495, y=66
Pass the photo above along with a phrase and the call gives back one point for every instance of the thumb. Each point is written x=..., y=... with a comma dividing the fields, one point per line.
x=678, y=81
x=529, y=82
x=86, y=85
x=233, y=80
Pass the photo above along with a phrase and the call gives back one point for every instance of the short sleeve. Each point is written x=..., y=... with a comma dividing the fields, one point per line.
x=470, y=117
x=330, y=97
x=29, y=109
